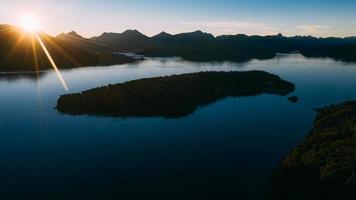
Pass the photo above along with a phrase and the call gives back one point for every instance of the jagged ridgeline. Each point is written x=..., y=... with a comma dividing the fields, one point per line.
x=323, y=166
x=21, y=51
x=200, y=46
x=72, y=50
x=170, y=96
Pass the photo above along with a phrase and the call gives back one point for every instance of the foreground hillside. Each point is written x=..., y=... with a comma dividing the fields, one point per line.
x=323, y=166
x=20, y=51
x=170, y=96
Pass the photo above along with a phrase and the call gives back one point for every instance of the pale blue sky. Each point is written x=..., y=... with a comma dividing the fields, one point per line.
x=92, y=17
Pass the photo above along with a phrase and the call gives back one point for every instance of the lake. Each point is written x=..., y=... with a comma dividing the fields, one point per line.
x=226, y=149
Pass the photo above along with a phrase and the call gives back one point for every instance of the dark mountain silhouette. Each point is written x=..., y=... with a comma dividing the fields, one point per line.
x=183, y=40
x=21, y=51
x=194, y=46
x=200, y=46
x=171, y=96
x=128, y=41
x=343, y=52
x=162, y=36
x=84, y=44
x=106, y=55
x=193, y=38
x=74, y=34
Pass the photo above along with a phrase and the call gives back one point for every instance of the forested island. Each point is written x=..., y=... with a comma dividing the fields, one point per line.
x=170, y=96
x=323, y=166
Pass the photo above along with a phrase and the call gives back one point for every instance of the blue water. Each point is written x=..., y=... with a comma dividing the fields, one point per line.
x=226, y=149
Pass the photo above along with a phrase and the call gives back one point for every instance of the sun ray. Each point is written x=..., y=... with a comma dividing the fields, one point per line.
x=16, y=45
x=29, y=23
x=35, y=56
x=30, y=31
x=58, y=73
x=63, y=52
x=68, y=56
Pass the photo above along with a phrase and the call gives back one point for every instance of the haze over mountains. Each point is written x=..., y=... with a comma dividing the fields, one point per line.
x=72, y=50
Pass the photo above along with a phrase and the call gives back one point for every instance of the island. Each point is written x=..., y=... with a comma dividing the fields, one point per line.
x=323, y=166
x=170, y=96
x=293, y=99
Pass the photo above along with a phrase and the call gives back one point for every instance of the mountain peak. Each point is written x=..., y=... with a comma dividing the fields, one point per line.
x=196, y=34
x=132, y=32
x=162, y=35
x=74, y=34
x=280, y=35
x=199, y=32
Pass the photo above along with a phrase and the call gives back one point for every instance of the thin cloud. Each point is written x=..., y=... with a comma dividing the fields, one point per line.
x=313, y=29
x=234, y=27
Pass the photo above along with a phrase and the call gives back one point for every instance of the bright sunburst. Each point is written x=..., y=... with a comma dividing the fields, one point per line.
x=29, y=23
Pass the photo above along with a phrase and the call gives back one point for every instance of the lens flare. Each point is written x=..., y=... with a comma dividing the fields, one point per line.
x=58, y=73
x=29, y=23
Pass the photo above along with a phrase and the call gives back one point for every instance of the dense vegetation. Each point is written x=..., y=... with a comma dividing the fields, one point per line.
x=323, y=166
x=171, y=96
x=20, y=51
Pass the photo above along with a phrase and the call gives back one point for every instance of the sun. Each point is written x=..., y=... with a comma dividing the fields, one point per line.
x=29, y=23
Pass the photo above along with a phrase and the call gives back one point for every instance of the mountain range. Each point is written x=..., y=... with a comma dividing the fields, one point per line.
x=200, y=46
x=20, y=52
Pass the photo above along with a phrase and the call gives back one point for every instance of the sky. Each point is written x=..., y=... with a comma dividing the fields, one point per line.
x=89, y=18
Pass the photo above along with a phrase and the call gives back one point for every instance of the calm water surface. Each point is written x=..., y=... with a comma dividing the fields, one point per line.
x=229, y=148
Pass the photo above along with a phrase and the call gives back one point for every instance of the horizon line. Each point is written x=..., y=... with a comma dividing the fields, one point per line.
x=198, y=30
